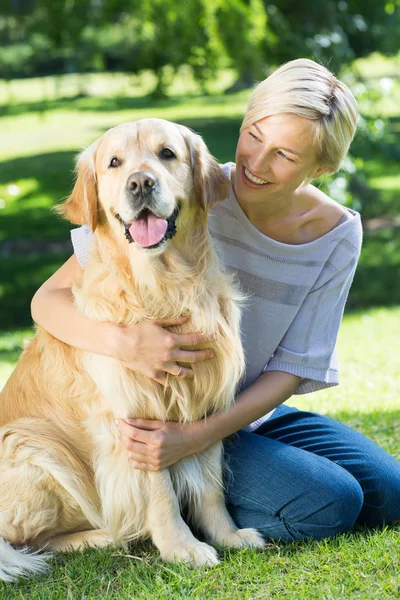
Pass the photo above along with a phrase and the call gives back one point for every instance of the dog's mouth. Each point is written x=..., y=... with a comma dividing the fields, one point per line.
x=148, y=230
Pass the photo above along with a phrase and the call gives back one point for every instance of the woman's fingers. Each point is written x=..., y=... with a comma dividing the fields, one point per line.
x=137, y=455
x=161, y=378
x=134, y=436
x=190, y=339
x=140, y=466
x=171, y=322
x=133, y=446
x=192, y=356
x=177, y=371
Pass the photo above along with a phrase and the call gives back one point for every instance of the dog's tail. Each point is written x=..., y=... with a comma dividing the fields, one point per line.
x=20, y=562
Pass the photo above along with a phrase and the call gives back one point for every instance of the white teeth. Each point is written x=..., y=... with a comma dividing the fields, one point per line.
x=254, y=179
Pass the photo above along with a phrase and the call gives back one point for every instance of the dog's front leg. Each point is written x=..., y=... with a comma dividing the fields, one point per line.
x=212, y=515
x=168, y=530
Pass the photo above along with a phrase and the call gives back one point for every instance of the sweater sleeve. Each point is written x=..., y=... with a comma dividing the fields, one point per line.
x=308, y=347
x=81, y=238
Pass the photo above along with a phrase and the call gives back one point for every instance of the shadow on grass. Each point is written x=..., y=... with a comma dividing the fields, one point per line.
x=110, y=104
x=375, y=285
x=11, y=355
x=20, y=277
x=29, y=215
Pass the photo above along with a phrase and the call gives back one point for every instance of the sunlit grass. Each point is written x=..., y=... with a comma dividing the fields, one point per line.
x=44, y=89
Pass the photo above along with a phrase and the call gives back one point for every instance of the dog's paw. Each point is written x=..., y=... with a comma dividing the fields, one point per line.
x=193, y=555
x=243, y=538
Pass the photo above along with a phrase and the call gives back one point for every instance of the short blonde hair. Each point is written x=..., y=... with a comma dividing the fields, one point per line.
x=307, y=89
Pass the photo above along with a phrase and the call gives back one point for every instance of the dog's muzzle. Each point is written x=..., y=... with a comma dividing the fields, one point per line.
x=148, y=230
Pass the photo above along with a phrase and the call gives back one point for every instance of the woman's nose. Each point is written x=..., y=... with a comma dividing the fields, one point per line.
x=260, y=163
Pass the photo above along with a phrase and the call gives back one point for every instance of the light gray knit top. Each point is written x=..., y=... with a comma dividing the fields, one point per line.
x=296, y=293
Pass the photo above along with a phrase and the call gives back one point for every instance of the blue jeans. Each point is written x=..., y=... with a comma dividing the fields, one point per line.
x=302, y=475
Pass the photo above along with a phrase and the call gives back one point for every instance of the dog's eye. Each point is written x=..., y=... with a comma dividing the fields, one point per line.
x=115, y=162
x=167, y=154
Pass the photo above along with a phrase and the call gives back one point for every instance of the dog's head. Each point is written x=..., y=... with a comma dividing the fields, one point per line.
x=145, y=179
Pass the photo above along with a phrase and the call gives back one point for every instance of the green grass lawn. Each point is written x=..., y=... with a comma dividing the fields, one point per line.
x=360, y=565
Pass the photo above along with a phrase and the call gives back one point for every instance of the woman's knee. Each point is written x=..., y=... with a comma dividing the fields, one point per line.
x=324, y=508
x=336, y=509
x=381, y=494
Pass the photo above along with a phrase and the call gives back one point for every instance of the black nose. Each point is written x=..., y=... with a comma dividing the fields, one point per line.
x=141, y=183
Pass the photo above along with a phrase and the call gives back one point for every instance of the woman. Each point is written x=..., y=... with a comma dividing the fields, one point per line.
x=295, y=474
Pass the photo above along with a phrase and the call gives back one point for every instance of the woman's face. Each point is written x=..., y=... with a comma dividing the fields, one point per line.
x=273, y=158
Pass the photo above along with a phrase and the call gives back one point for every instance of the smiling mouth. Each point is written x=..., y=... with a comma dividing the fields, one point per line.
x=253, y=179
x=148, y=230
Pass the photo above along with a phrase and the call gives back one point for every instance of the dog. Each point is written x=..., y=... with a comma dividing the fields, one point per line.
x=145, y=189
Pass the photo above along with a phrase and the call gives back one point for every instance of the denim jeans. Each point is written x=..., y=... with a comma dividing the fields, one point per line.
x=302, y=475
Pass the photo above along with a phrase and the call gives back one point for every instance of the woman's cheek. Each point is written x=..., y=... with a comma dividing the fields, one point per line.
x=244, y=146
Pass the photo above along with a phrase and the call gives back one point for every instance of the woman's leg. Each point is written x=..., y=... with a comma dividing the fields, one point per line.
x=377, y=472
x=304, y=476
x=287, y=493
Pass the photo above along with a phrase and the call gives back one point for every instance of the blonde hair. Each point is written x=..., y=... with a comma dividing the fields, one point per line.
x=307, y=89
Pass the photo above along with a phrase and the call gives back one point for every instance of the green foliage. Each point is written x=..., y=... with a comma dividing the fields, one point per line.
x=152, y=34
x=161, y=35
x=244, y=29
x=204, y=34
x=333, y=32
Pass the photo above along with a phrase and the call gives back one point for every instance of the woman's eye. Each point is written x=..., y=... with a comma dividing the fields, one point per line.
x=115, y=162
x=167, y=154
x=254, y=136
x=285, y=156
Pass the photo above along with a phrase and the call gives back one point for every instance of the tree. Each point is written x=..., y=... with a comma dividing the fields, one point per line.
x=334, y=32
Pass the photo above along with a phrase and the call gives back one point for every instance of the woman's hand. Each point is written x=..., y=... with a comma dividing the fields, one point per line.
x=155, y=445
x=154, y=351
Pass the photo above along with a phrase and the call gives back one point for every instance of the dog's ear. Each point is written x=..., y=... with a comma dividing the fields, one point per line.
x=211, y=185
x=81, y=208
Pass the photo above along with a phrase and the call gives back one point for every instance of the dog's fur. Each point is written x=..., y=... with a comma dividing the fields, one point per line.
x=65, y=478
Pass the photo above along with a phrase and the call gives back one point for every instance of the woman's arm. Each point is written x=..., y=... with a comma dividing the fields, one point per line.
x=147, y=347
x=266, y=393
x=53, y=308
x=154, y=445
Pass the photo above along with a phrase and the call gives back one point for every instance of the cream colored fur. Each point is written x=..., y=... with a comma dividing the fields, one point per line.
x=65, y=478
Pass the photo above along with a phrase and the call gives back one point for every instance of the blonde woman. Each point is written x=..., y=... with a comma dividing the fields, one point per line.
x=295, y=474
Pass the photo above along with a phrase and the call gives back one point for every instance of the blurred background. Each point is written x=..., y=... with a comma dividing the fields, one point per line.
x=70, y=69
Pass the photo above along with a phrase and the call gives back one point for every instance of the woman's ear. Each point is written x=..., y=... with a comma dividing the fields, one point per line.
x=211, y=185
x=318, y=173
x=81, y=208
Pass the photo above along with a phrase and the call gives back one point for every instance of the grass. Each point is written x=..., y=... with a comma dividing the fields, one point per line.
x=363, y=564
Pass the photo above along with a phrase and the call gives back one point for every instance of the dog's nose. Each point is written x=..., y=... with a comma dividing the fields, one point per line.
x=141, y=183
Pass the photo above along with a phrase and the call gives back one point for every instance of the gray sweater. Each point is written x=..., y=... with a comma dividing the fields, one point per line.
x=297, y=293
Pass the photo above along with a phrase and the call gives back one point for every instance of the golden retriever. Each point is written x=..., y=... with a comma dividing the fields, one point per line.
x=66, y=481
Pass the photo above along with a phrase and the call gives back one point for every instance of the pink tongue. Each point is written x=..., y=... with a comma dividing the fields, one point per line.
x=148, y=230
